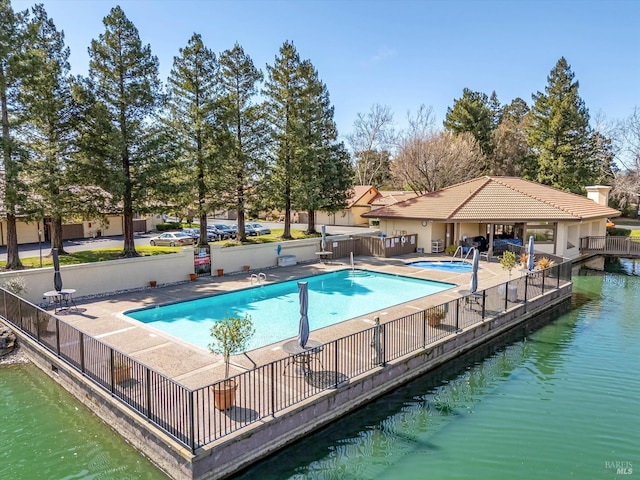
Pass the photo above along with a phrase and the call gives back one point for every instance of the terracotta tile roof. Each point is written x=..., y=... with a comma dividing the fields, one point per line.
x=358, y=192
x=497, y=199
x=389, y=197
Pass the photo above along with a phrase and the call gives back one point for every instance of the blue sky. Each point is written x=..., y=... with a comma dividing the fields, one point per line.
x=399, y=53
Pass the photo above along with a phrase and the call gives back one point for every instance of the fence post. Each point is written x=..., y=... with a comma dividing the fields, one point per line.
x=335, y=360
x=147, y=381
x=424, y=328
x=57, y=336
x=484, y=301
x=457, y=315
x=526, y=290
x=506, y=296
x=111, y=367
x=384, y=344
x=81, y=351
x=273, y=389
x=192, y=424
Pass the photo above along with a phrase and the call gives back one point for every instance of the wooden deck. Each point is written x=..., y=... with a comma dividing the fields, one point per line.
x=608, y=245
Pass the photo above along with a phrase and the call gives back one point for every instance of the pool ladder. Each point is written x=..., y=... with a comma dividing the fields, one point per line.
x=459, y=249
x=258, y=277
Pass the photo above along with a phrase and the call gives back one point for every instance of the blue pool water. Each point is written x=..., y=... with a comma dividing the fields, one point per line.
x=275, y=308
x=457, y=266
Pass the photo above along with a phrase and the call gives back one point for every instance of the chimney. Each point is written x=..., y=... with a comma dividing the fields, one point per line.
x=599, y=194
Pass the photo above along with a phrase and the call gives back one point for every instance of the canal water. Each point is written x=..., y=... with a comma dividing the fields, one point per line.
x=563, y=402
x=46, y=434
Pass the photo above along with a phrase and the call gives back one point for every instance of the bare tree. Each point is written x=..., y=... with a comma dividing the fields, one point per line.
x=425, y=163
x=626, y=185
x=372, y=135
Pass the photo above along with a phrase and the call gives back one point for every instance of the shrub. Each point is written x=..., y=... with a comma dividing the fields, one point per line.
x=16, y=285
x=451, y=249
x=544, y=262
x=618, y=232
x=161, y=227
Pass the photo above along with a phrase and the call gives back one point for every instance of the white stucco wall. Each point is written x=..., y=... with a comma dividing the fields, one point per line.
x=106, y=277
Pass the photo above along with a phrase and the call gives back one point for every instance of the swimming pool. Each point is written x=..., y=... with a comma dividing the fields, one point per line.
x=275, y=310
x=457, y=266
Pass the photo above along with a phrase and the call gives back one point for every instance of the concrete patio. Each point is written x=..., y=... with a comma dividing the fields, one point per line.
x=195, y=367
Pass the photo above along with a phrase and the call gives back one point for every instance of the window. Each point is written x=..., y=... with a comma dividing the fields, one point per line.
x=542, y=233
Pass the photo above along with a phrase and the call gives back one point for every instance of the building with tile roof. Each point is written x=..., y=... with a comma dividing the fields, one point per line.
x=500, y=209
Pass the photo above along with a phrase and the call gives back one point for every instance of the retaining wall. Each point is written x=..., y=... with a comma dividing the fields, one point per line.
x=230, y=454
x=107, y=277
x=237, y=451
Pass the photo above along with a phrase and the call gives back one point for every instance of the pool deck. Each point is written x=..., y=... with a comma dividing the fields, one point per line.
x=195, y=367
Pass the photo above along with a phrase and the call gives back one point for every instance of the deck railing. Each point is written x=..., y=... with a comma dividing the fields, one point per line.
x=189, y=415
x=610, y=245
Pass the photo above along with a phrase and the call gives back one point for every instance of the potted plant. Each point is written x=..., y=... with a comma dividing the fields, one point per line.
x=435, y=315
x=544, y=263
x=450, y=250
x=524, y=260
x=121, y=371
x=231, y=336
x=508, y=262
x=16, y=285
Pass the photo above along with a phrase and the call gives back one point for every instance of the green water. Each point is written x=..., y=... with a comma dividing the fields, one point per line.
x=563, y=403
x=46, y=434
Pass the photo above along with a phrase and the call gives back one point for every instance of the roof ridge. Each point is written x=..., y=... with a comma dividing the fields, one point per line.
x=546, y=202
x=471, y=195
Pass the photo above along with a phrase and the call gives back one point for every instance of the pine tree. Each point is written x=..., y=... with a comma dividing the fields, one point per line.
x=559, y=134
x=511, y=154
x=122, y=151
x=47, y=98
x=13, y=45
x=471, y=113
x=194, y=121
x=283, y=90
x=244, y=119
x=323, y=172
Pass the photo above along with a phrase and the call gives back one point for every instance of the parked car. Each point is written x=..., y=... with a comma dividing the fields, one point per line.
x=172, y=239
x=211, y=236
x=192, y=232
x=248, y=230
x=219, y=234
x=227, y=229
x=262, y=230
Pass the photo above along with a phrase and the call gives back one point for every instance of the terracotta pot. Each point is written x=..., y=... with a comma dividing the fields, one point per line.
x=245, y=268
x=193, y=277
x=224, y=394
x=153, y=283
x=122, y=374
x=220, y=272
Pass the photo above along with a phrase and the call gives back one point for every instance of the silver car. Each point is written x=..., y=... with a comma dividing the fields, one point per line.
x=260, y=229
x=171, y=239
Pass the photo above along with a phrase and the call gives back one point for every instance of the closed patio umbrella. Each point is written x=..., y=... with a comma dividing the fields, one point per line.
x=376, y=342
x=323, y=244
x=303, y=331
x=530, y=263
x=473, y=284
x=57, y=277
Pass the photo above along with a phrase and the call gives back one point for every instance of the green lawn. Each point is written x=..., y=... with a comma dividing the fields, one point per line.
x=104, y=254
x=90, y=256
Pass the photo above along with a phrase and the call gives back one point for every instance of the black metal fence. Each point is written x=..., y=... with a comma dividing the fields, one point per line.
x=191, y=417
